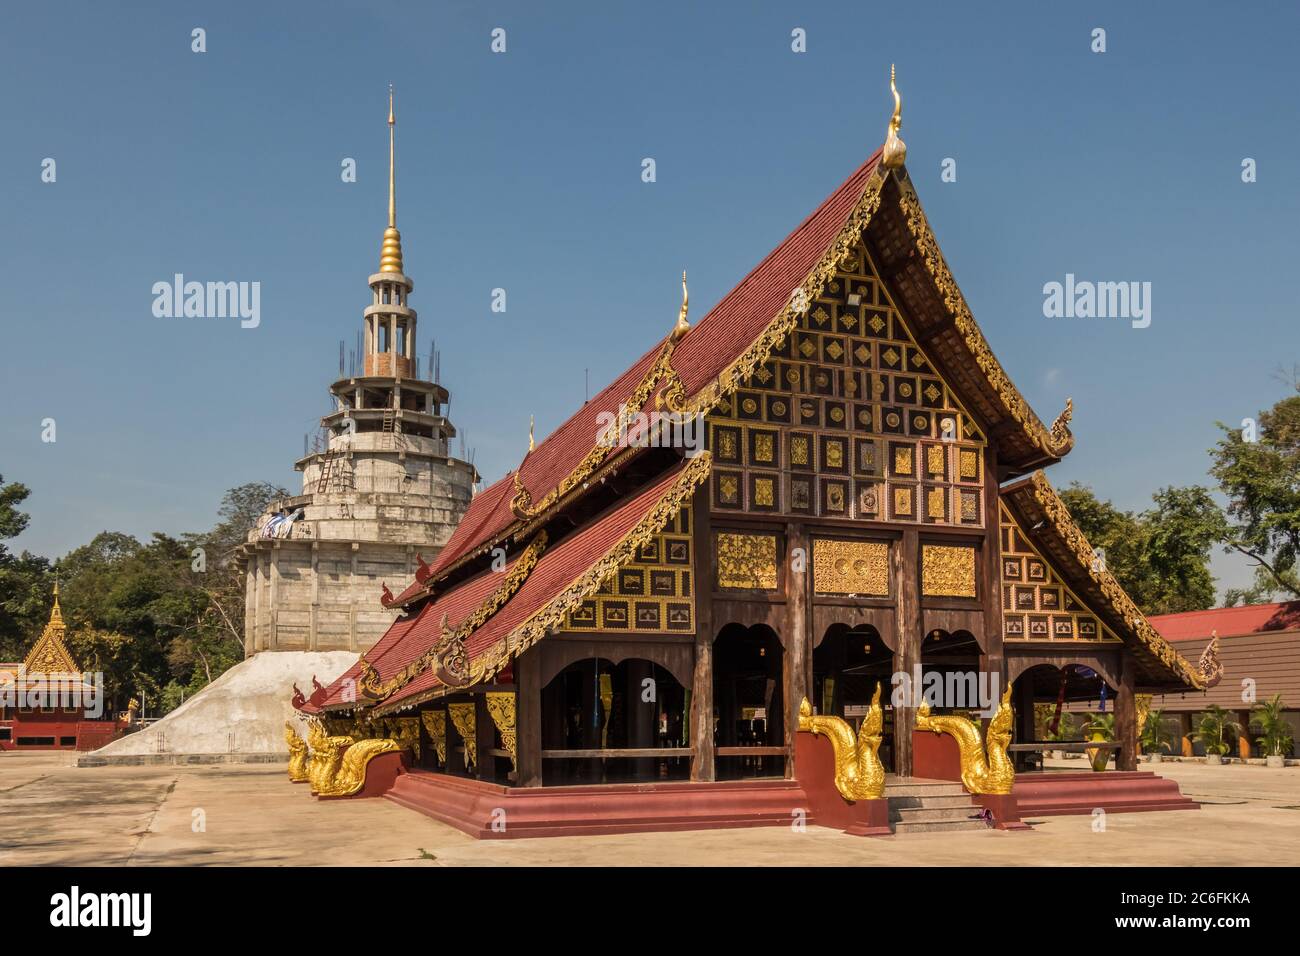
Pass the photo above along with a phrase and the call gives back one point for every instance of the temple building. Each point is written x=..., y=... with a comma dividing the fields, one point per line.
x=46, y=702
x=635, y=630
x=379, y=497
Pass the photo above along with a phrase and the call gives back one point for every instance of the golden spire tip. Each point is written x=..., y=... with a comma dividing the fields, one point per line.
x=390, y=253
x=895, y=153
x=682, y=326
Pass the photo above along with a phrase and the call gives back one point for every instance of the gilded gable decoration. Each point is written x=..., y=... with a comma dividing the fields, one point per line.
x=49, y=655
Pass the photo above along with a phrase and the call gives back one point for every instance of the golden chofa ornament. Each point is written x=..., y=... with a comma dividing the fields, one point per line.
x=390, y=253
x=895, y=153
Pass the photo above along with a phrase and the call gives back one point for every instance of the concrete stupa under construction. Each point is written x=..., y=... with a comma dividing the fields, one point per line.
x=380, y=493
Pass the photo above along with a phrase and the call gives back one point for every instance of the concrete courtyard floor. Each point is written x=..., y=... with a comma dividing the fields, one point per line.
x=52, y=813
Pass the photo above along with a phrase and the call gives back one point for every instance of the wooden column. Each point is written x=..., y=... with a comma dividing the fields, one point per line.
x=485, y=731
x=1126, y=717
x=797, y=659
x=702, y=758
x=993, y=660
x=528, y=718
x=904, y=567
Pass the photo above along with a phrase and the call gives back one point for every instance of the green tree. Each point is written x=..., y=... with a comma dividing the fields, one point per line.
x=26, y=584
x=1160, y=556
x=1215, y=728
x=1268, y=719
x=1261, y=480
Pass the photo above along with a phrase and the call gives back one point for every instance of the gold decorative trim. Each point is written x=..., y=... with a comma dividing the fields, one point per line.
x=859, y=774
x=552, y=615
x=1056, y=443
x=463, y=719
x=448, y=652
x=1063, y=523
x=501, y=708
x=981, y=772
x=326, y=755
x=779, y=328
x=435, y=723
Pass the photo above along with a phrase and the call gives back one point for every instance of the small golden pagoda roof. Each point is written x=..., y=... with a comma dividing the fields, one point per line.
x=49, y=655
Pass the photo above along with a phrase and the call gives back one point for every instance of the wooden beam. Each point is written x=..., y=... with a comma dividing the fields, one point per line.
x=528, y=718
x=797, y=659
x=1126, y=729
x=904, y=570
x=701, y=733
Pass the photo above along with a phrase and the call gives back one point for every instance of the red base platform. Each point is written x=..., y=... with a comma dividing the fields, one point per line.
x=1055, y=794
x=381, y=773
x=492, y=812
x=815, y=758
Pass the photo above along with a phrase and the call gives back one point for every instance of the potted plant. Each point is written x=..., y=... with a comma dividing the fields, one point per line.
x=1215, y=725
x=1156, y=738
x=1100, y=728
x=1275, y=737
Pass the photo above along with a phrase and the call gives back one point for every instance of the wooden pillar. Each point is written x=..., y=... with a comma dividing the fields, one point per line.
x=797, y=659
x=485, y=731
x=993, y=660
x=904, y=567
x=1126, y=716
x=528, y=718
x=705, y=580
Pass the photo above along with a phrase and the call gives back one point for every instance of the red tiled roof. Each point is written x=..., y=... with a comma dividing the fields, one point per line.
x=1229, y=621
x=706, y=350
x=556, y=570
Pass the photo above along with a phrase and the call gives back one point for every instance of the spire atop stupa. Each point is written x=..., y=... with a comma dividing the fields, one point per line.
x=390, y=253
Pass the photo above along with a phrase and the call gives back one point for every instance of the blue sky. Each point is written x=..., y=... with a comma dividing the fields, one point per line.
x=522, y=171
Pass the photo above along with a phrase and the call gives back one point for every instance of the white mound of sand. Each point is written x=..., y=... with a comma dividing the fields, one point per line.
x=241, y=712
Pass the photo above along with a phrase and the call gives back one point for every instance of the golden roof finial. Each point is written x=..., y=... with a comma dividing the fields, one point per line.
x=56, y=612
x=682, y=326
x=895, y=149
x=390, y=253
x=531, y=444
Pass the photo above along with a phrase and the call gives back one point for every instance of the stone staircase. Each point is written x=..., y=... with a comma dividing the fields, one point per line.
x=930, y=806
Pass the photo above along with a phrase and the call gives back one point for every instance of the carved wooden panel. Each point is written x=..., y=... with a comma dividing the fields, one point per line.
x=652, y=593
x=1036, y=604
x=746, y=561
x=850, y=567
x=848, y=419
x=947, y=570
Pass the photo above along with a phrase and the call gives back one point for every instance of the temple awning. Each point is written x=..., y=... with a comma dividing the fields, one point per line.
x=521, y=608
x=1045, y=518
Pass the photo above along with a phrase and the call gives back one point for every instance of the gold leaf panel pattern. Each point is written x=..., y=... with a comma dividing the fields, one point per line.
x=850, y=567
x=747, y=561
x=947, y=571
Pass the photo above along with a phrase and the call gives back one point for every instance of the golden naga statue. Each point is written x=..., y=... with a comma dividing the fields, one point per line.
x=351, y=775
x=326, y=756
x=297, y=753
x=979, y=774
x=859, y=774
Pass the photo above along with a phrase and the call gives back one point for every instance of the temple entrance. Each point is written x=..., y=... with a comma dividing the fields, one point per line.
x=749, y=708
x=614, y=723
x=1053, y=708
x=847, y=666
x=950, y=668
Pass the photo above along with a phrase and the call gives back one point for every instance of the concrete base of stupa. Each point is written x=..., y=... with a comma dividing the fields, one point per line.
x=238, y=718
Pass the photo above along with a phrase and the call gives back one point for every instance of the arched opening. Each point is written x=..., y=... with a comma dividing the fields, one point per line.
x=603, y=723
x=848, y=664
x=951, y=679
x=749, y=708
x=1058, y=710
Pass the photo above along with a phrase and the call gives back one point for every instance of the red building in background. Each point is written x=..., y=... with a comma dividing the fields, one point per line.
x=47, y=703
